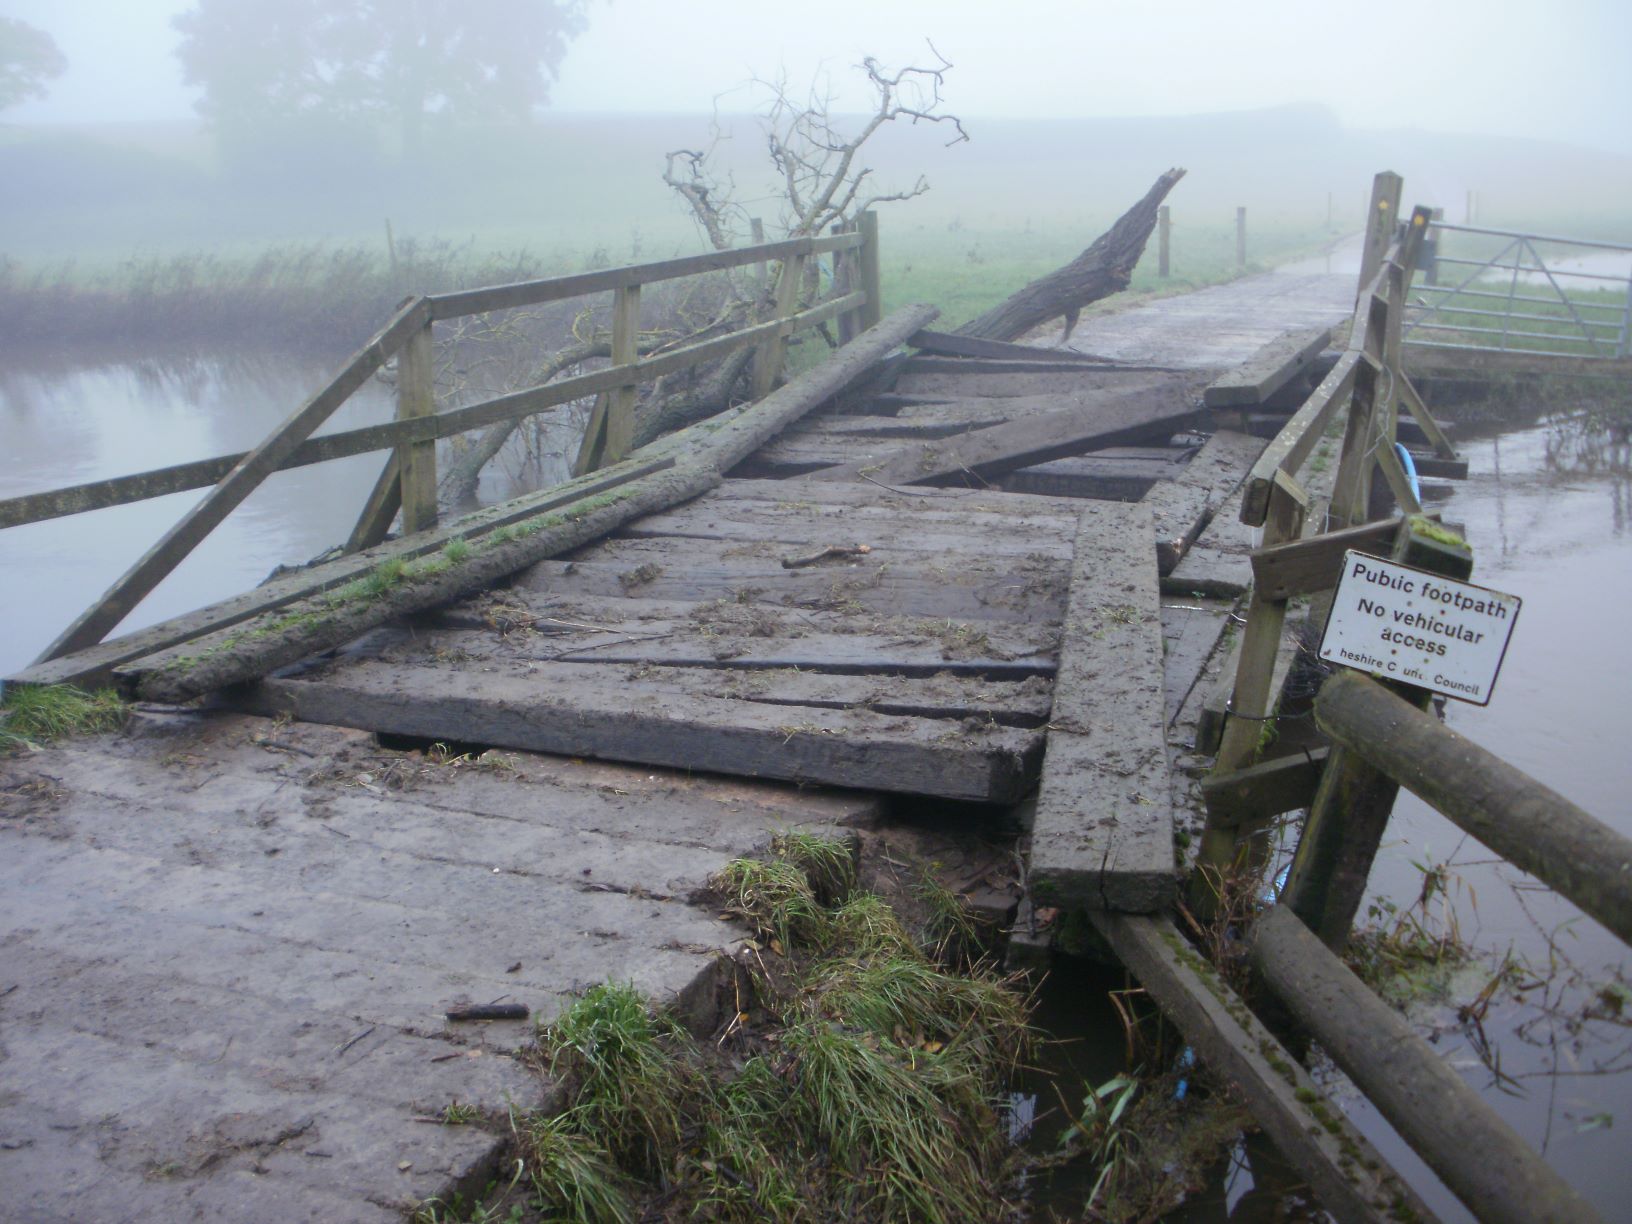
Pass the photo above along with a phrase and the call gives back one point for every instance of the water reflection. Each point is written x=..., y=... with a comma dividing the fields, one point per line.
x=1545, y=509
x=70, y=423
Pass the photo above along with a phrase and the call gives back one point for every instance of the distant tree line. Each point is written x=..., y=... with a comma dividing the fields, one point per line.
x=272, y=65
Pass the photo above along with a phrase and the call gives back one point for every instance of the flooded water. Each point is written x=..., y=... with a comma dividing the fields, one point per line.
x=67, y=426
x=1549, y=512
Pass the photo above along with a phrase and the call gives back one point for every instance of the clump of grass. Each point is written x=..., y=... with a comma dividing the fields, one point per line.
x=910, y=1135
x=867, y=1090
x=630, y=1085
x=916, y=1003
x=828, y=863
x=866, y=924
x=570, y=1174
x=743, y=1170
x=775, y=897
x=37, y=714
x=456, y=552
x=949, y=930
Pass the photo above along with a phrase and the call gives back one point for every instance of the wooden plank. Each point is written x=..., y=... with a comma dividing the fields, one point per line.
x=1307, y=567
x=984, y=453
x=793, y=529
x=1254, y=696
x=682, y=569
x=416, y=461
x=159, y=561
x=1182, y=507
x=559, y=288
x=379, y=510
x=871, y=429
x=948, y=344
x=1476, y=1154
x=1298, y=437
x=1266, y=789
x=943, y=695
x=1268, y=370
x=726, y=633
x=1096, y=476
x=1103, y=833
x=980, y=504
x=1024, y=379
x=1348, y=1176
x=620, y=401
x=1190, y=637
x=1531, y=825
x=771, y=354
x=1035, y=361
x=607, y=717
x=869, y=259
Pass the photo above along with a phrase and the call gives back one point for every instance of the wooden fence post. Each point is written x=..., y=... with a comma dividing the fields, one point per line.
x=1386, y=189
x=416, y=461
x=1251, y=698
x=1352, y=804
x=756, y=232
x=620, y=406
x=1241, y=236
x=1164, y=240
x=771, y=353
x=843, y=277
x=871, y=274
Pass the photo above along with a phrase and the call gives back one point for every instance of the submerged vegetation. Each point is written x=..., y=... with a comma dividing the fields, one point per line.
x=32, y=715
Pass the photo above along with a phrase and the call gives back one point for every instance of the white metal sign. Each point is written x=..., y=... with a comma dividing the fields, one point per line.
x=1407, y=624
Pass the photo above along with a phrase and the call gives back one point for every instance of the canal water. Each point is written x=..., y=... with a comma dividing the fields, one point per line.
x=1548, y=508
x=69, y=425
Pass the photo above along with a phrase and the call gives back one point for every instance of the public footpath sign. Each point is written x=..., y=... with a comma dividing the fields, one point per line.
x=1407, y=624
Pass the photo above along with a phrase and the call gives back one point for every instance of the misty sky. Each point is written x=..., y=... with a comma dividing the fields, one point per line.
x=1553, y=70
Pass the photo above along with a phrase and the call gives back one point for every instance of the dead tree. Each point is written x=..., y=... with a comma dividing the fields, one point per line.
x=821, y=184
x=1104, y=268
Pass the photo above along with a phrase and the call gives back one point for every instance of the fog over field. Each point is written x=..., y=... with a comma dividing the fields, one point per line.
x=1071, y=109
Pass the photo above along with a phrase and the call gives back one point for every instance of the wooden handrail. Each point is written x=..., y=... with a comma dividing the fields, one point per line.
x=1477, y=1155
x=464, y=302
x=245, y=477
x=342, y=444
x=1530, y=825
x=411, y=435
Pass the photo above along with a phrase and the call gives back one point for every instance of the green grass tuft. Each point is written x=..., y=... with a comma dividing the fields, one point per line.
x=570, y=1174
x=631, y=1087
x=912, y=1001
x=868, y=926
x=828, y=863
x=37, y=714
x=776, y=898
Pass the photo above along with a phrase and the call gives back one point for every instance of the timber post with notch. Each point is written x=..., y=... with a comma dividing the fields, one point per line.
x=948, y=565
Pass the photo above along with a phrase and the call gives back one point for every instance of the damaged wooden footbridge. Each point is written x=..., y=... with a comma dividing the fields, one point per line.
x=932, y=577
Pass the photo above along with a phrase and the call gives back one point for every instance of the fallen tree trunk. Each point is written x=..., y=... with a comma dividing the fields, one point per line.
x=1103, y=269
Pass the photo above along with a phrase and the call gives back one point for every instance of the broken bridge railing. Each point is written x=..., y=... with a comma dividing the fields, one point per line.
x=1382, y=737
x=408, y=481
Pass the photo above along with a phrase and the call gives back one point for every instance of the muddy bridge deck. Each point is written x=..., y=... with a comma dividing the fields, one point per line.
x=232, y=936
